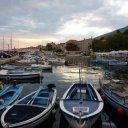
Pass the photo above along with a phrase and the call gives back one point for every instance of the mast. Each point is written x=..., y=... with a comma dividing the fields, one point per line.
x=80, y=82
x=11, y=42
x=8, y=48
x=3, y=43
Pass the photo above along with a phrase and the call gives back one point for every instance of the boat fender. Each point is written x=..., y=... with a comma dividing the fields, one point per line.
x=1, y=101
x=98, y=90
x=14, y=83
x=53, y=111
x=121, y=111
x=104, y=97
x=1, y=85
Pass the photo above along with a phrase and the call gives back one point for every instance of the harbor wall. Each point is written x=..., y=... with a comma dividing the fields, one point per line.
x=77, y=60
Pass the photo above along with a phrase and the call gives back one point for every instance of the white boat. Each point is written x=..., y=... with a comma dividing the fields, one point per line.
x=31, y=110
x=19, y=74
x=56, y=61
x=42, y=66
x=117, y=63
x=81, y=105
x=11, y=67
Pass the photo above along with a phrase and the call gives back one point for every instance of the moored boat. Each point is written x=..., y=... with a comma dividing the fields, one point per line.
x=117, y=63
x=9, y=95
x=81, y=105
x=116, y=93
x=19, y=74
x=42, y=67
x=31, y=110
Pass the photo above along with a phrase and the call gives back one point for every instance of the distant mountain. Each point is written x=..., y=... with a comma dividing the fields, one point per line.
x=112, y=33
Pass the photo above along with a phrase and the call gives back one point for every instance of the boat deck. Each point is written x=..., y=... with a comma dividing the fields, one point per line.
x=86, y=106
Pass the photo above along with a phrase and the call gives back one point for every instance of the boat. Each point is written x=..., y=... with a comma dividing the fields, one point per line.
x=19, y=74
x=43, y=67
x=10, y=67
x=81, y=105
x=31, y=110
x=115, y=91
x=117, y=63
x=9, y=95
x=56, y=61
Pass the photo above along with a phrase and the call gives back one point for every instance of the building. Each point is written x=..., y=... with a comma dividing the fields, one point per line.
x=62, y=46
x=85, y=45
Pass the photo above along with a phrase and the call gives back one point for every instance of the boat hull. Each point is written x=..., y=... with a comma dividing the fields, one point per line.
x=7, y=75
x=114, y=103
x=85, y=123
x=32, y=124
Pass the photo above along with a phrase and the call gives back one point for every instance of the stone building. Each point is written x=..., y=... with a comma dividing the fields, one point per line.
x=85, y=45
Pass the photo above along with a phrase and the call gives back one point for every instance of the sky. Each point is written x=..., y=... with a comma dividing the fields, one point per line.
x=37, y=22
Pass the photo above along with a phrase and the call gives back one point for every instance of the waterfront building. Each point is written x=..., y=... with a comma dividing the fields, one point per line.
x=84, y=46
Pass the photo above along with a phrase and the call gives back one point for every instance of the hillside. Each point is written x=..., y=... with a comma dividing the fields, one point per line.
x=112, y=33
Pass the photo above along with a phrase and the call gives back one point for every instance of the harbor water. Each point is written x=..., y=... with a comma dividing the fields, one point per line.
x=63, y=77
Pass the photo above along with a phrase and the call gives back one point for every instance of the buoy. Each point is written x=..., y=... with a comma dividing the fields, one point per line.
x=121, y=111
x=98, y=90
x=1, y=101
x=53, y=111
x=104, y=97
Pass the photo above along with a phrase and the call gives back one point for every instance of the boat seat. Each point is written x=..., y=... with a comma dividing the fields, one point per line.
x=80, y=109
x=44, y=94
x=41, y=101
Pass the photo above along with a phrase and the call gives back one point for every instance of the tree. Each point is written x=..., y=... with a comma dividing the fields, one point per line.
x=119, y=41
x=49, y=47
x=72, y=47
x=40, y=47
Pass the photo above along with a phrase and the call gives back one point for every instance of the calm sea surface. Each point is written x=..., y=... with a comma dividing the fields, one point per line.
x=63, y=77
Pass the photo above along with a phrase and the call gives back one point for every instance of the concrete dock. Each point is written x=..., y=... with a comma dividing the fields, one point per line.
x=8, y=60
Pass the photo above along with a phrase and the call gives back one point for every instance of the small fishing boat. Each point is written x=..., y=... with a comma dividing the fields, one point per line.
x=31, y=110
x=43, y=67
x=81, y=105
x=9, y=95
x=115, y=91
x=19, y=74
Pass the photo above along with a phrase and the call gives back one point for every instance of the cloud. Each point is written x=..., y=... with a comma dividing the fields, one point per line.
x=60, y=20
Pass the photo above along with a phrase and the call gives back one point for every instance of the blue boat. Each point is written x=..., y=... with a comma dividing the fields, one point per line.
x=9, y=95
x=115, y=91
x=31, y=110
x=81, y=105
